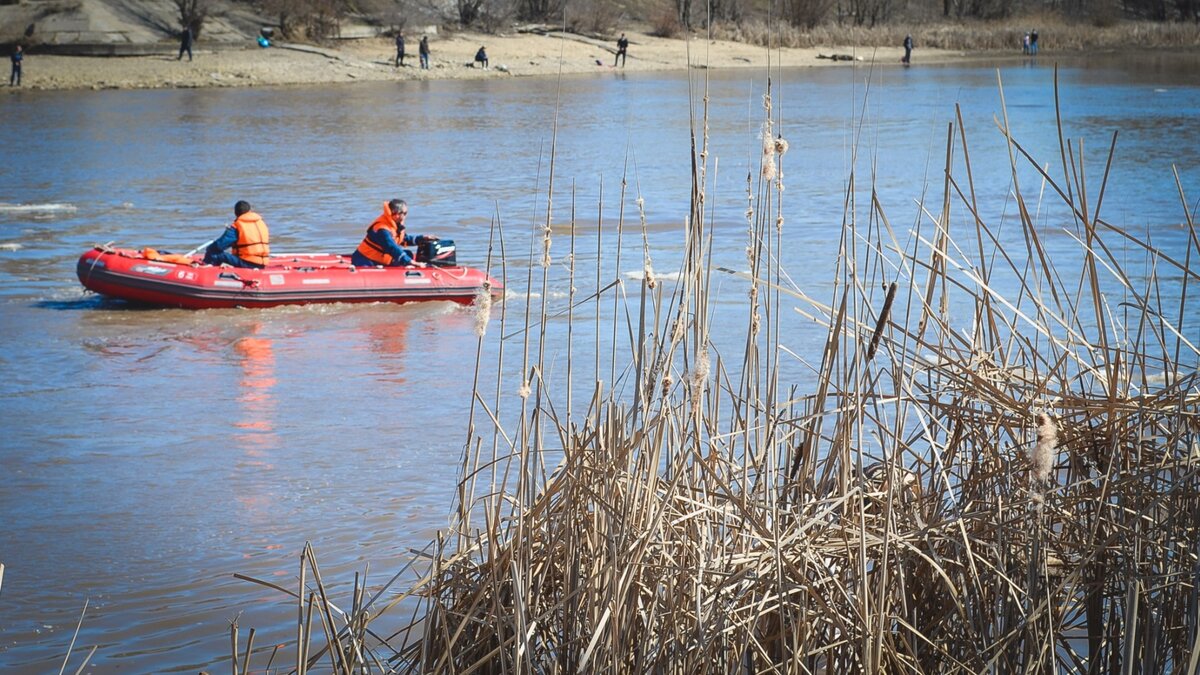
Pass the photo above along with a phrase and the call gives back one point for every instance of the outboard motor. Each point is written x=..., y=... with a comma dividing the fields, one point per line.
x=436, y=252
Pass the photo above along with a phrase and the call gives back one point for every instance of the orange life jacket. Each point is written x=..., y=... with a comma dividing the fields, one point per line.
x=372, y=251
x=253, y=240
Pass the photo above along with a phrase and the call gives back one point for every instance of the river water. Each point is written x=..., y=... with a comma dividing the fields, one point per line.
x=147, y=455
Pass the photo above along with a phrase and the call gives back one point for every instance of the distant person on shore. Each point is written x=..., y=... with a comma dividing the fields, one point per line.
x=423, y=48
x=908, y=47
x=1033, y=48
x=385, y=240
x=399, y=50
x=247, y=238
x=185, y=43
x=622, y=48
x=1025, y=43
x=481, y=58
x=17, y=57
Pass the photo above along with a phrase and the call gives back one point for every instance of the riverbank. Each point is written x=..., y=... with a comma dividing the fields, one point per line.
x=516, y=55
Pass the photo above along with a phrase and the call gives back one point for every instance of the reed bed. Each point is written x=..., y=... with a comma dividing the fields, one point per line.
x=993, y=467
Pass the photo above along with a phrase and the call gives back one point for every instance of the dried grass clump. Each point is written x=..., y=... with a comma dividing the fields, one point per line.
x=876, y=518
x=732, y=532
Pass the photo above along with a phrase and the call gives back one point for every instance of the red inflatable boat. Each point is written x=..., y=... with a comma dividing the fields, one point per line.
x=147, y=277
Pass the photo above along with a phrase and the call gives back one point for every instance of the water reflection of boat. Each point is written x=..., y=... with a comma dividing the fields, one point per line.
x=256, y=431
x=174, y=281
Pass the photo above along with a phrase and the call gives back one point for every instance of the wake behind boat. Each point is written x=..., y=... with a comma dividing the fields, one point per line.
x=148, y=277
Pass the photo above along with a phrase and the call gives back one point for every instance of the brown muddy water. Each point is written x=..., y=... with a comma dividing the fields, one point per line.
x=147, y=455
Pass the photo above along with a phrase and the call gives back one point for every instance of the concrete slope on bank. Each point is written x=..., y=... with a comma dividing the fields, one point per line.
x=117, y=27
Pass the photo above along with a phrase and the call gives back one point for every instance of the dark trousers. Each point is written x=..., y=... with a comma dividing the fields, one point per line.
x=182, y=49
x=15, y=78
x=227, y=258
x=620, y=57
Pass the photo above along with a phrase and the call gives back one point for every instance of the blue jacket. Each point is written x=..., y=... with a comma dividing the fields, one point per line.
x=384, y=239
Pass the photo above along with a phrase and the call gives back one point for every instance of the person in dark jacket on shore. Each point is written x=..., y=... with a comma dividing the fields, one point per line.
x=423, y=48
x=481, y=58
x=17, y=57
x=908, y=47
x=622, y=49
x=399, y=50
x=386, y=239
x=246, y=238
x=185, y=43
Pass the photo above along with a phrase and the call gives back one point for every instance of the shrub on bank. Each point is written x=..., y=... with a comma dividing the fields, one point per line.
x=1056, y=33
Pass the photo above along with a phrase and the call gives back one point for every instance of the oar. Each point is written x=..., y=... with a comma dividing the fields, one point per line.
x=199, y=248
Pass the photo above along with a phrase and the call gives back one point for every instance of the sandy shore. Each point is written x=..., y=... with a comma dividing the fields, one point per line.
x=515, y=55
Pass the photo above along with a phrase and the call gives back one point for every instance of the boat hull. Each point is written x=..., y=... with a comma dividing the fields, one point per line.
x=303, y=279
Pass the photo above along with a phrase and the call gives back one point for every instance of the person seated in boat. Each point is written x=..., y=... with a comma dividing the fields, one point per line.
x=245, y=243
x=386, y=239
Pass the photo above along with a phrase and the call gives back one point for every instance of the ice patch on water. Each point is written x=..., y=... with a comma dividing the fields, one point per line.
x=661, y=276
x=1160, y=91
x=10, y=246
x=48, y=208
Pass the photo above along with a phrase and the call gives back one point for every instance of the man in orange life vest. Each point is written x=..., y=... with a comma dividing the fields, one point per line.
x=247, y=237
x=385, y=240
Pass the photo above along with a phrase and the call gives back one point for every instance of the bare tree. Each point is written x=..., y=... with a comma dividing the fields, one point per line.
x=496, y=14
x=727, y=10
x=684, y=9
x=541, y=10
x=993, y=9
x=192, y=14
x=592, y=16
x=468, y=10
x=807, y=13
x=868, y=12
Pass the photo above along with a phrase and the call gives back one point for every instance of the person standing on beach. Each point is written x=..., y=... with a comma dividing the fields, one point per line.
x=18, y=55
x=399, y=49
x=481, y=58
x=185, y=43
x=1033, y=42
x=622, y=48
x=908, y=47
x=423, y=48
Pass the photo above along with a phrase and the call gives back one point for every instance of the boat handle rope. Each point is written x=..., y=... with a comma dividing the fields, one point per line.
x=248, y=283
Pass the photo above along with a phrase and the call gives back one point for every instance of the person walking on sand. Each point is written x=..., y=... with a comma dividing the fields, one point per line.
x=908, y=47
x=481, y=57
x=622, y=49
x=399, y=50
x=423, y=48
x=185, y=43
x=18, y=55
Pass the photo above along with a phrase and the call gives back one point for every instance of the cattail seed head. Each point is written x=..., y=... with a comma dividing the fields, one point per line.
x=483, y=309
x=700, y=371
x=1043, y=454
